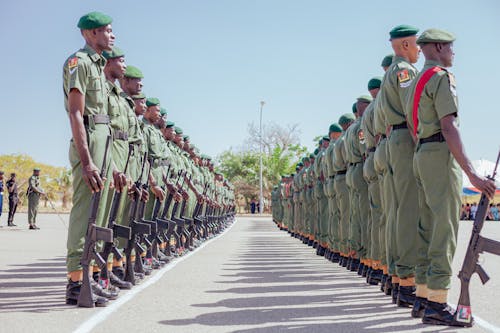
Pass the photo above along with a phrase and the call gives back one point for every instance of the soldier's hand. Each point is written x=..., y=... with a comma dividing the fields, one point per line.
x=177, y=197
x=119, y=180
x=144, y=195
x=158, y=192
x=91, y=177
x=185, y=195
x=483, y=184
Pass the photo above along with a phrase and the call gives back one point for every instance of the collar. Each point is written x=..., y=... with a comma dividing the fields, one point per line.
x=432, y=63
x=93, y=55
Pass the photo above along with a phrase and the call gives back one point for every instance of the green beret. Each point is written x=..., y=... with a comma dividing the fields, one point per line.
x=169, y=124
x=133, y=72
x=305, y=158
x=320, y=141
x=152, y=101
x=185, y=137
x=387, y=61
x=403, y=30
x=374, y=82
x=346, y=119
x=365, y=98
x=326, y=138
x=163, y=111
x=300, y=164
x=335, y=128
x=178, y=130
x=36, y=169
x=138, y=96
x=354, y=108
x=94, y=20
x=115, y=52
x=435, y=36
x=313, y=154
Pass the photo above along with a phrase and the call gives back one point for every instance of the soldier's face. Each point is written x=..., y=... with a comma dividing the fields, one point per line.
x=140, y=106
x=413, y=49
x=133, y=86
x=447, y=53
x=104, y=37
x=153, y=113
x=117, y=67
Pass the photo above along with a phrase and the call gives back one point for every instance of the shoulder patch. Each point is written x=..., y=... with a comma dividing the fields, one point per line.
x=403, y=76
x=73, y=62
x=361, y=137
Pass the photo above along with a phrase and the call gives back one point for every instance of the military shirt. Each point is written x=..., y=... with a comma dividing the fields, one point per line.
x=340, y=162
x=438, y=100
x=379, y=123
x=84, y=70
x=353, y=142
x=34, y=185
x=328, y=161
x=367, y=125
x=394, y=90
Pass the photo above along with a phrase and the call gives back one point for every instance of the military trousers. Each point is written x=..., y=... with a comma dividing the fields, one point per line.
x=381, y=168
x=82, y=196
x=33, y=201
x=360, y=239
x=12, y=209
x=372, y=178
x=401, y=150
x=324, y=221
x=439, y=180
x=333, y=216
x=343, y=201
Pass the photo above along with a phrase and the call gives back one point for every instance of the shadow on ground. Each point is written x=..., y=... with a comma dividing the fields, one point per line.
x=35, y=287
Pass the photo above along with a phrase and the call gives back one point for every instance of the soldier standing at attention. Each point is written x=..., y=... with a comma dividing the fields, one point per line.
x=13, y=198
x=393, y=96
x=1, y=192
x=34, y=192
x=438, y=159
x=371, y=177
x=341, y=189
x=85, y=99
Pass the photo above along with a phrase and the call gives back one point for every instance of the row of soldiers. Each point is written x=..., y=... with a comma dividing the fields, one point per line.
x=142, y=192
x=381, y=193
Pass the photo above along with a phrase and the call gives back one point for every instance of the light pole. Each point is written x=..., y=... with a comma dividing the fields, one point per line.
x=261, y=199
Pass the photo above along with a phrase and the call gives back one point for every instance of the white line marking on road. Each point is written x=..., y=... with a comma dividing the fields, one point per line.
x=483, y=323
x=102, y=315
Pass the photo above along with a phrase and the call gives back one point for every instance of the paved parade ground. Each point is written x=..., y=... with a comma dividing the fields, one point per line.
x=252, y=278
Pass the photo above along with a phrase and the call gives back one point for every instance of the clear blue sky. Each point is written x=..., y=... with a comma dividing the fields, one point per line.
x=211, y=62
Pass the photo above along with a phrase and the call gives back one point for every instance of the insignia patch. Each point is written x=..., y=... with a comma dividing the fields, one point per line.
x=403, y=76
x=73, y=62
x=361, y=137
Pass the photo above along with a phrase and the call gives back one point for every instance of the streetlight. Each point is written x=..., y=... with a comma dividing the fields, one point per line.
x=261, y=199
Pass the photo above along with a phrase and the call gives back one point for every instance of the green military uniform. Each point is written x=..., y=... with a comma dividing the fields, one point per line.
x=321, y=199
x=371, y=176
x=329, y=187
x=83, y=71
x=296, y=200
x=34, y=193
x=341, y=189
x=439, y=176
x=359, y=222
x=393, y=96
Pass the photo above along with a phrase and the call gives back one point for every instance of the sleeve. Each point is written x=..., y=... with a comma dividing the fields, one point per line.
x=445, y=99
x=77, y=74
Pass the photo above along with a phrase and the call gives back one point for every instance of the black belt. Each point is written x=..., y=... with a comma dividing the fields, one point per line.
x=371, y=150
x=384, y=136
x=341, y=172
x=400, y=126
x=353, y=164
x=120, y=135
x=331, y=177
x=97, y=119
x=438, y=137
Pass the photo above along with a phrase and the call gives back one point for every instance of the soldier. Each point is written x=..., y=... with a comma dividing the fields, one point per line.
x=386, y=188
x=334, y=231
x=393, y=96
x=34, y=193
x=438, y=159
x=13, y=198
x=85, y=97
x=340, y=166
x=322, y=200
x=374, y=275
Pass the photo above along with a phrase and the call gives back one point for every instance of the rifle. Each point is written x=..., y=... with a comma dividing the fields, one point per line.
x=179, y=222
x=196, y=214
x=477, y=244
x=118, y=231
x=137, y=228
x=94, y=234
x=186, y=221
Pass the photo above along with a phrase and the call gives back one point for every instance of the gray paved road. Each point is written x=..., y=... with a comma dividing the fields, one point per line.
x=254, y=278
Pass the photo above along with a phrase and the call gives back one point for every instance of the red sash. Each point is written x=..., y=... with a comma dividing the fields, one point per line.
x=418, y=93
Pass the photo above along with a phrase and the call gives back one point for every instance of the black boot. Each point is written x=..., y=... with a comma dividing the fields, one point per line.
x=115, y=281
x=335, y=257
x=97, y=289
x=388, y=286
x=365, y=271
x=395, y=292
x=442, y=314
x=344, y=261
x=419, y=307
x=406, y=296
x=354, y=265
x=73, y=292
x=310, y=242
x=375, y=277
x=361, y=267
x=315, y=245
